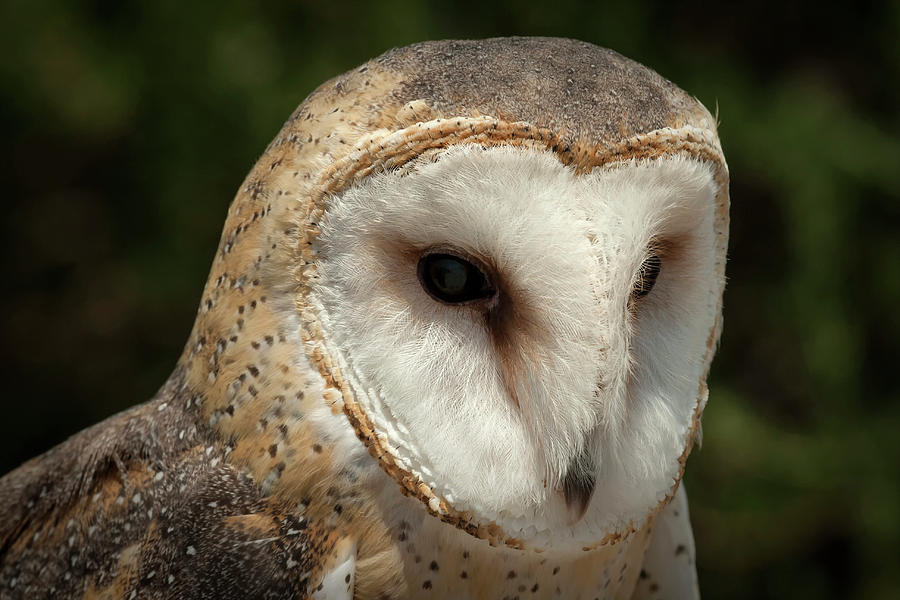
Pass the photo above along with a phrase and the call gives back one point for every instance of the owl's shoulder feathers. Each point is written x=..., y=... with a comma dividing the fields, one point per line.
x=146, y=502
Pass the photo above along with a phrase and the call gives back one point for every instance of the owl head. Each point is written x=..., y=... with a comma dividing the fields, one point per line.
x=502, y=264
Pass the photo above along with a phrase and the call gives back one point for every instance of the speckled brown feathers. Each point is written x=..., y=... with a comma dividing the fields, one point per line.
x=218, y=487
x=147, y=502
x=582, y=92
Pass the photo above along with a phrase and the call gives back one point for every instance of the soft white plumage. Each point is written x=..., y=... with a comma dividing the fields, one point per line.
x=584, y=368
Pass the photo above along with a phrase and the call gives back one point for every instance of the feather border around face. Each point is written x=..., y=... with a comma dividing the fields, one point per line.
x=387, y=151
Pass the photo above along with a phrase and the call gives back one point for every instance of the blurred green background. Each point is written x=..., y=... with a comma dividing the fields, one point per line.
x=127, y=128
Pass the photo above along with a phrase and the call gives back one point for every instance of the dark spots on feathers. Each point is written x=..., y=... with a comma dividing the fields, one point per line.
x=168, y=510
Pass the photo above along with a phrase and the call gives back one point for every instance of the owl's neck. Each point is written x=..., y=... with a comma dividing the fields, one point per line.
x=439, y=560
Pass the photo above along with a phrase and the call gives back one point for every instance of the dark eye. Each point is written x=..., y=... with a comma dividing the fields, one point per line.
x=647, y=276
x=453, y=280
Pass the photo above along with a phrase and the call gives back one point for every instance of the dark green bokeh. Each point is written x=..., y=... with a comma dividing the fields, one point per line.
x=128, y=127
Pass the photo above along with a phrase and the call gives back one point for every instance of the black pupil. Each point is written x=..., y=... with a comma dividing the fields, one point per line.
x=648, y=275
x=452, y=279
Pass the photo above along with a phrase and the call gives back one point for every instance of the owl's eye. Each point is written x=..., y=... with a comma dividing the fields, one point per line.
x=453, y=280
x=647, y=278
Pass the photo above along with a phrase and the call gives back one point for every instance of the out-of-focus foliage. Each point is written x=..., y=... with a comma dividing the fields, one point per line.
x=127, y=127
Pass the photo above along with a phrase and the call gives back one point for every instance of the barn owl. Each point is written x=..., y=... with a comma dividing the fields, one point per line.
x=453, y=344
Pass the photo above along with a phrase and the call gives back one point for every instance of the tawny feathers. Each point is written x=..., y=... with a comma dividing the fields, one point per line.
x=346, y=423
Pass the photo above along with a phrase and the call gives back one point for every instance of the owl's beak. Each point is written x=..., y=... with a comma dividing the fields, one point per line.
x=578, y=486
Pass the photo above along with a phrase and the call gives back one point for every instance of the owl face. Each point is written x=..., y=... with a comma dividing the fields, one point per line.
x=527, y=342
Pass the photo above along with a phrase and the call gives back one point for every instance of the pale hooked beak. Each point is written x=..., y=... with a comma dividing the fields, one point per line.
x=578, y=486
